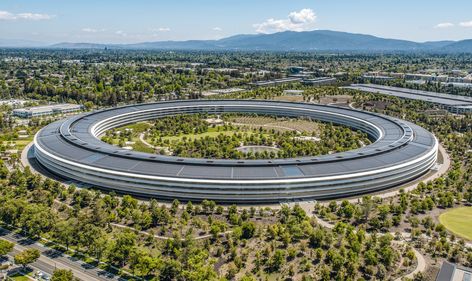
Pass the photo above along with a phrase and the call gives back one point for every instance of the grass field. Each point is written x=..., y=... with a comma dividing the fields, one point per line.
x=212, y=132
x=281, y=124
x=199, y=136
x=140, y=146
x=21, y=144
x=19, y=277
x=137, y=127
x=458, y=221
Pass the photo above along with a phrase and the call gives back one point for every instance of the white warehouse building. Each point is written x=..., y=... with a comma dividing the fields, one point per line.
x=39, y=111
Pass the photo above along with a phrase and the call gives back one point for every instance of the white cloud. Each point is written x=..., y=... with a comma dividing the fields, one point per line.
x=121, y=33
x=163, y=29
x=89, y=30
x=160, y=29
x=32, y=16
x=303, y=16
x=466, y=24
x=5, y=15
x=92, y=30
x=444, y=25
x=296, y=21
x=217, y=29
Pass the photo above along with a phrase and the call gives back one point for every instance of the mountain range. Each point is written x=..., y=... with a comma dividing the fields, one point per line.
x=317, y=40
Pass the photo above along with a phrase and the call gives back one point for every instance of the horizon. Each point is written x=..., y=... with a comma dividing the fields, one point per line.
x=46, y=44
x=52, y=21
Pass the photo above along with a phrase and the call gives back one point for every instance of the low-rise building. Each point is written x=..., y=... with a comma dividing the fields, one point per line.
x=222, y=91
x=378, y=77
x=453, y=103
x=293, y=92
x=452, y=272
x=276, y=81
x=39, y=111
x=426, y=77
x=319, y=81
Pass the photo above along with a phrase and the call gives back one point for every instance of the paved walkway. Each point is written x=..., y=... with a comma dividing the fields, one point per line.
x=156, y=148
x=141, y=138
x=421, y=262
x=442, y=169
x=160, y=237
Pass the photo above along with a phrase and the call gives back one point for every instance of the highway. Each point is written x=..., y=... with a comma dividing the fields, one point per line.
x=51, y=259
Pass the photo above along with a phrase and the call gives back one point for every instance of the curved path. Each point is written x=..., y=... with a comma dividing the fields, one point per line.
x=421, y=262
x=437, y=172
x=141, y=138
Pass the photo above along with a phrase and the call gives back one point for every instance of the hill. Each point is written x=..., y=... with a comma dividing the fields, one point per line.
x=317, y=40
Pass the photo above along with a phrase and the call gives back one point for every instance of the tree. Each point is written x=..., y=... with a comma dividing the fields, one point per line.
x=65, y=232
x=142, y=263
x=37, y=219
x=316, y=238
x=248, y=229
x=5, y=247
x=27, y=256
x=277, y=260
x=124, y=242
x=63, y=275
x=170, y=270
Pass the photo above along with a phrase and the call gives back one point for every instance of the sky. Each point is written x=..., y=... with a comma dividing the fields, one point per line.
x=130, y=21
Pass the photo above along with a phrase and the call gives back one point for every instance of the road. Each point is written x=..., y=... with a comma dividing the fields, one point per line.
x=51, y=259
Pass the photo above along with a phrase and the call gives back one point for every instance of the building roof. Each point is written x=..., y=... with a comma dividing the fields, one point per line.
x=46, y=108
x=439, y=98
x=276, y=81
x=453, y=272
x=399, y=142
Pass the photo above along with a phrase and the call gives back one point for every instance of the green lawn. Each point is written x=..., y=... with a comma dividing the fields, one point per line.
x=137, y=127
x=458, y=221
x=140, y=146
x=19, y=277
x=200, y=136
x=22, y=143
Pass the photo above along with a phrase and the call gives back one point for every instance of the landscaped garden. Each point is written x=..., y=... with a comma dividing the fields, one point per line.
x=236, y=136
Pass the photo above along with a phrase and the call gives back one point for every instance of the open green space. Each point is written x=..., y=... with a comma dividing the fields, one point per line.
x=458, y=221
x=19, y=277
x=212, y=132
x=265, y=137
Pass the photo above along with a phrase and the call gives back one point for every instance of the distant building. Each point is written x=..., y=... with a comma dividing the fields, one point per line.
x=378, y=77
x=457, y=84
x=13, y=102
x=451, y=272
x=319, y=81
x=298, y=71
x=426, y=77
x=453, y=103
x=293, y=92
x=222, y=91
x=295, y=69
x=223, y=70
x=276, y=81
x=39, y=111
